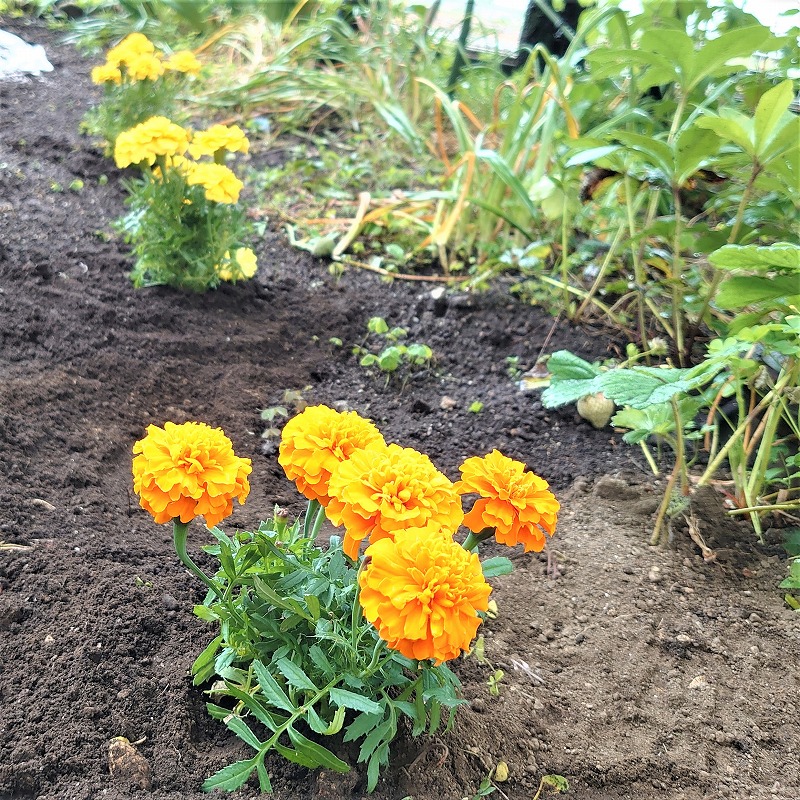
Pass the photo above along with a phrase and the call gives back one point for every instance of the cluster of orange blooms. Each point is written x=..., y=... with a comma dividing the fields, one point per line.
x=135, y=59
x=420, y=589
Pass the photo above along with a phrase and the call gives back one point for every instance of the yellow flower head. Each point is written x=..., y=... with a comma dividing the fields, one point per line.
x=143, y=67
x=154, y=137
x=384, y=489
x=187, y=471
x=184, y=61
x=133, y=45
x=219, y=137
x=316, y=441
x=221, y=185
x=517, y=504
x=423, y=592
x=106, y=73
x=246, y=263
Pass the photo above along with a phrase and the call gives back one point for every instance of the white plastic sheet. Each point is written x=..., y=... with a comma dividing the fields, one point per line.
x=17, y=57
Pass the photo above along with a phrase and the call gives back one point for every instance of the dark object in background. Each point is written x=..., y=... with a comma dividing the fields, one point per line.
x=539, y=28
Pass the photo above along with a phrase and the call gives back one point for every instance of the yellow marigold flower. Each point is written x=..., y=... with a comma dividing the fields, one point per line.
x=381, y=490
x=154, y=137
x=219, y=137
x=184, y=61
x=106, y=73
x=221, y=185
x=246, y=261
x=316, y=441
x=144, y=67
x=133, y=45
x=187, y=471
x=423, y=592
x=517, y=504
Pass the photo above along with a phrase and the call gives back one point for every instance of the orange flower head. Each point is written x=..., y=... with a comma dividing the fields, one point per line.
x=422, y=591
x=517, y=504
x=384, y=489
x=314, y=443
x=187, y=471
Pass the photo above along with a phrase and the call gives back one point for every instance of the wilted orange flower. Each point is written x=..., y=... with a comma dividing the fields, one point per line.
x=184, y=61
x=384, y=489
x=187, y=471
x=221, y=185
x=315, y=442
x=517, y=504
x=146, y=141
x=422, y=591
x=219, y=137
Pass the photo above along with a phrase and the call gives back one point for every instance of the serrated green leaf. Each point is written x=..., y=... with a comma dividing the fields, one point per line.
x=498, y=565
x=564, y=365
x=312, y=604
x=362, y=725
x=267, y=718
x=380, y=756
x=234, y=776
x=357, y=702
x=564, y=392
x=296, y=676
x=242, y=730
x=271, y=689
x=644, y=386
x=780, y=256
x=323, y=757
x=315, y=722
x=384, y=732
x=263, y=778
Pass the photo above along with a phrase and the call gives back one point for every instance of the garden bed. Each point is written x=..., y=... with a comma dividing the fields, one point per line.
x=634, y=672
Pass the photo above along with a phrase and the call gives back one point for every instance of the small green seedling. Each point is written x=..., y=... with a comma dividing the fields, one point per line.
x=395, y=355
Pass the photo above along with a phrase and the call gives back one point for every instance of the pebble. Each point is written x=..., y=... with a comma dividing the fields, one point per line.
x=654, y=575
x=447, y=403
x=169, y=602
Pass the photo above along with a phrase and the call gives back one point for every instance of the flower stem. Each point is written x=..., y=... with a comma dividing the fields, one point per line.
x=179, y=530
x=474, y=539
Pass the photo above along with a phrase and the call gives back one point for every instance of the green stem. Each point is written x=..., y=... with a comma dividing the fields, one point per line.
x=179, y=531
x=312, y=522
x=676, y=278
x=474, y=539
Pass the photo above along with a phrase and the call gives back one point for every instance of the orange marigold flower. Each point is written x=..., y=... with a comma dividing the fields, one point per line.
x=384, y=489
x=187, y=471
x=315, y=442
x=517, y=504
x=422, y=591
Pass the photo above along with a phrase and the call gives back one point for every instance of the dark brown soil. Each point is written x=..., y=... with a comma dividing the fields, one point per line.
x=635, y=673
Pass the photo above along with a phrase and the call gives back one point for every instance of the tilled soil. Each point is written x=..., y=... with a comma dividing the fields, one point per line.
x=634, y=672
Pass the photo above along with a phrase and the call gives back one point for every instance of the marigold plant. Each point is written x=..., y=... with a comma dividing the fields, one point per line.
x=422, y=591
x=384, y=489
x=185, y=220
x=316, y=441
x=515, y=506
x=138, y=81
x=218, y=140
x=315, y=639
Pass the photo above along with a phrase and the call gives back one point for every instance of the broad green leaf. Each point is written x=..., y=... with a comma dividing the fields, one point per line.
x=712, y=58
x=780, y=256
x=563, y=392
x=675, y=47
x=658, y=154
x=499, y=565
x=695, y=148
x=746, y=290
x=296, y=676
x=563, y=364
x=231, y=777
x=770, y=110
x=323, y=757
x=341, y=697
x=271, y=689
x=644, y=386
x=296, y=758
x=242, y=730
x=732, y=126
